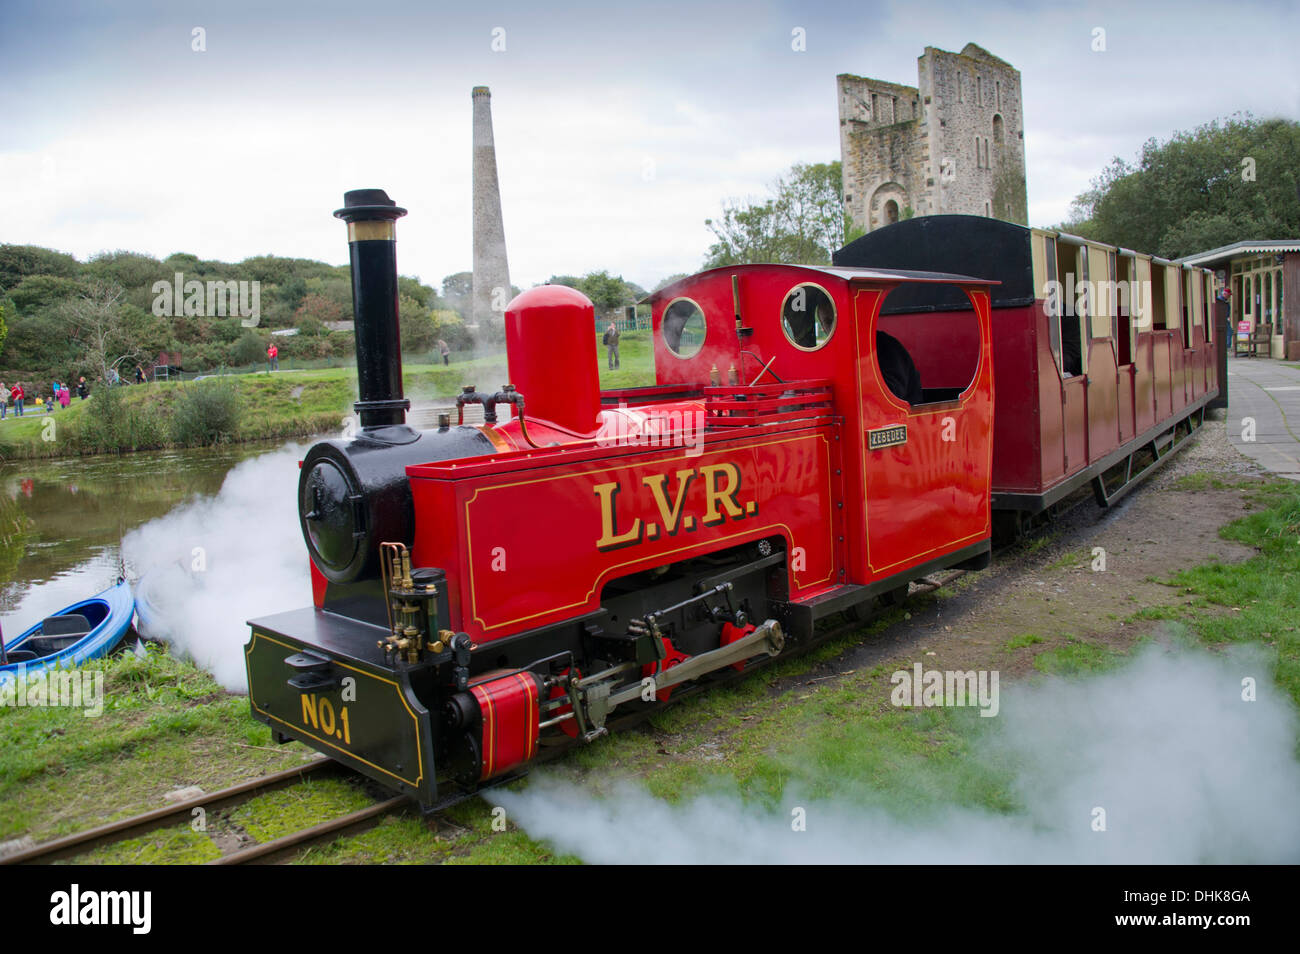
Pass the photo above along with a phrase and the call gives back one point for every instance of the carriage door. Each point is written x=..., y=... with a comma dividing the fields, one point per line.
x=925, y=383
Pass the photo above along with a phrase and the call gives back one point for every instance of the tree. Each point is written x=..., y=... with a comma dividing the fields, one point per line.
x=36, y=291
x=450, y=327
x=802, y=223
x=4, y=329
x=318, y=308
x=1221, y=183
x=96, y=320
x=248, y=349
x=609, y=293
x=456, y=291
x=19, y=261
x=417, y=329
x=411, y=288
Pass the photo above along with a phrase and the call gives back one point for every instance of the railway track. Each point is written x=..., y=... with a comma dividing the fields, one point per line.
x=82, y=842
x=280, y=848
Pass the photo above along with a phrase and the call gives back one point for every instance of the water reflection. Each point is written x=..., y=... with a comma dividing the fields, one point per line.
x=62, y=521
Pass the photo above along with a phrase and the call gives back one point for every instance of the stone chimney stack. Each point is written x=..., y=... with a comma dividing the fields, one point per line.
x=491, y=274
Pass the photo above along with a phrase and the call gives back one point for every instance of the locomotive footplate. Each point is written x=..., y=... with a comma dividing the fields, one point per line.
x=320, y=679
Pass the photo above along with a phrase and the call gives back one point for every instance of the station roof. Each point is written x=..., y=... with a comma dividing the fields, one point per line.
x=1238, y=249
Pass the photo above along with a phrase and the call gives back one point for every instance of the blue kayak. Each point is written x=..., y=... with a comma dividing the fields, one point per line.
x=86, y=630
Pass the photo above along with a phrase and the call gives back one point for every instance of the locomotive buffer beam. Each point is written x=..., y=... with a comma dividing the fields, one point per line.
x=599, y=699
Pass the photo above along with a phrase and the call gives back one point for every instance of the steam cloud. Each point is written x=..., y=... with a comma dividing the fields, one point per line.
x=1186, y=771
x=214, y=563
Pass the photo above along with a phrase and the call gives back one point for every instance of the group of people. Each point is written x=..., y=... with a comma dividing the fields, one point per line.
x=60, y=396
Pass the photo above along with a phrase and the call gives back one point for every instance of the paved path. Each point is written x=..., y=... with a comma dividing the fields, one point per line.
x=1267, y=392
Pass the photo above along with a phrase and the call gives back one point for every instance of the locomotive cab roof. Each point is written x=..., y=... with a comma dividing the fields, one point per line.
x=842, y=273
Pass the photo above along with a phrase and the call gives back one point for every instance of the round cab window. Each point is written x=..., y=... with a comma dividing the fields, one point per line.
x=808, y=317
x=684, y=328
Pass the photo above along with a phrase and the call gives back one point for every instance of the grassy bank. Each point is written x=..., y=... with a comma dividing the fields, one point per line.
x=281, y=405
x=810, y=724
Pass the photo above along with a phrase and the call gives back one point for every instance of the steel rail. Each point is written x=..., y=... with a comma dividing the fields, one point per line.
x=83, y=841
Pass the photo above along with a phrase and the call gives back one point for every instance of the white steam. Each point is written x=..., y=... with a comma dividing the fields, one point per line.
x=1185, y=770
x=212, y=564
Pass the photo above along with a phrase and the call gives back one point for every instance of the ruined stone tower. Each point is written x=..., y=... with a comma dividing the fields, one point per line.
x=954, y=143
x=491, y=284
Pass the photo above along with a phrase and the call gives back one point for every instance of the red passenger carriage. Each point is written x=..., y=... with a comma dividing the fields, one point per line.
x=1097, y=386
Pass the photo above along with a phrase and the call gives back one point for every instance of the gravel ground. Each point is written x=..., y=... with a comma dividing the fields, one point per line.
x=1046, y=585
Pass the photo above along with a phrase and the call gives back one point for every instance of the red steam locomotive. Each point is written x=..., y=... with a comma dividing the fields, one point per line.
x=818, y=438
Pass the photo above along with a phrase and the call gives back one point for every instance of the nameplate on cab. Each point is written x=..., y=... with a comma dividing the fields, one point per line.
x=883, y=437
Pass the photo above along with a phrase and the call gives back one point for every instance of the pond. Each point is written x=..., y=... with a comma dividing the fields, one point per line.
x=227, y=517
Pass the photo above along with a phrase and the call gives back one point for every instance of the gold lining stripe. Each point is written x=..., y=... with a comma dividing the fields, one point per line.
x=366, y=231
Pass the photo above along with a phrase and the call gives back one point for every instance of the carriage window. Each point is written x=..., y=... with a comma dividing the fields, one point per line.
x=684, y=328
x=1208, y=301
x=1125, y=269
x=1072, y=316
x=1158, y=320
x=1054, y=308
x=808, y=316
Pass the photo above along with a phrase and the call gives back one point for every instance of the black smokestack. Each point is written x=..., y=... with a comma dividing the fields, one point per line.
x=371, y=216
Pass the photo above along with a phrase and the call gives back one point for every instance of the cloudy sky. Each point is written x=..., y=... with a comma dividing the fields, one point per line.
x=619, y=128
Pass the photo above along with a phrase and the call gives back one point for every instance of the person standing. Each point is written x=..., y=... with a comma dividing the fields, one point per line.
x=4, y=400
x=18, y=399
x=139, y=374
x=611, y=345
x=272, y=358
x=65, y=397
x=445, y=351
x=83, y=390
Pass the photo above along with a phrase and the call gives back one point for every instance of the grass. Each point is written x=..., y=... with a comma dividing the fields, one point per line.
x=1074, y=560
x=1020, y=642
x=165, y=725
x=1076, y=657
x=1203, y=480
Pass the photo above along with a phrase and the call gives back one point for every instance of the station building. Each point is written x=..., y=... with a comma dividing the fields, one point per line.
x=1264, y=277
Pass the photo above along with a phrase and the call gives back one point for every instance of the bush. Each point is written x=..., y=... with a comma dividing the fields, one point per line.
x=111, y=424
x=206, y=412
x=249, y=349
